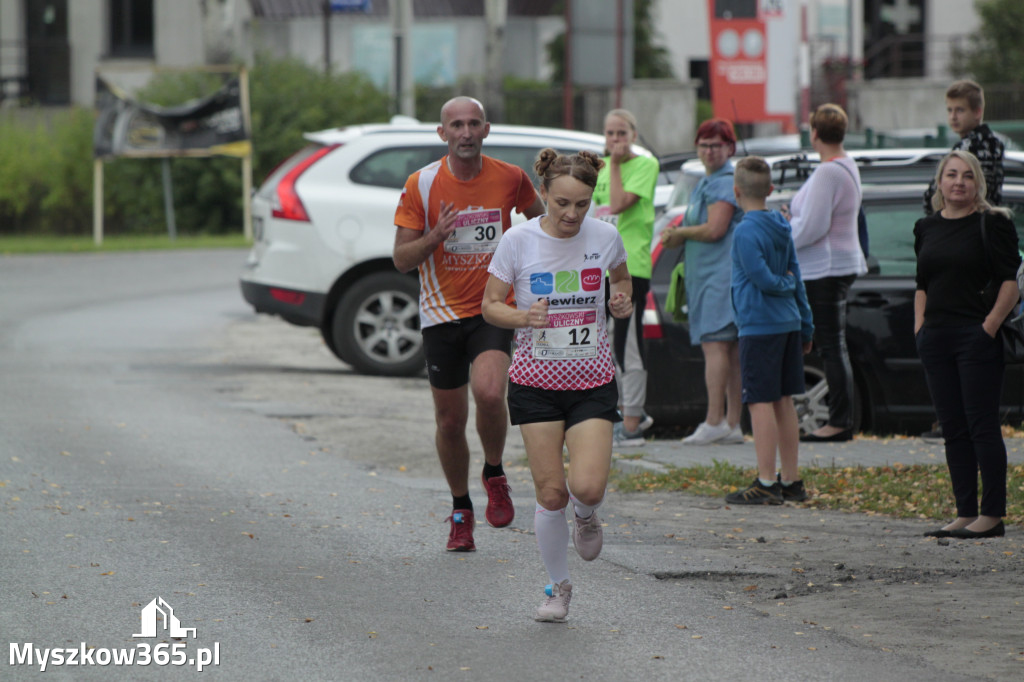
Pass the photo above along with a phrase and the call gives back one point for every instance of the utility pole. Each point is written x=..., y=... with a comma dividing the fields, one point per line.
x=401, y=27
x=497, y=15
x=327, y=36
x=568, y=113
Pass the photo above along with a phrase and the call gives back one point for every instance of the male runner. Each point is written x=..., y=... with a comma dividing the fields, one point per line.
x=449, y=220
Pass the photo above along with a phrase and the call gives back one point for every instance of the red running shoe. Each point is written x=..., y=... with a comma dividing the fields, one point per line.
x=500, y=511
x=460, y=539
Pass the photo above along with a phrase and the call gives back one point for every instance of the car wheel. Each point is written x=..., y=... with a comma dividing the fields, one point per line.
x=327, y=333
x=812, y=405
x=376, y=326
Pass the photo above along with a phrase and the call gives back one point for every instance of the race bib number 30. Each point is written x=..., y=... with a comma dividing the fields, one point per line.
x=476, y=231
x=605, y=213
x=570, y=334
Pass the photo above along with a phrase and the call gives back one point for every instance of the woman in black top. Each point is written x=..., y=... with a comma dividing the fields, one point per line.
x=964, y=292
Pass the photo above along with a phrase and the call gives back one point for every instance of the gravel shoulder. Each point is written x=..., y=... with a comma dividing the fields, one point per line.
x=866, y=578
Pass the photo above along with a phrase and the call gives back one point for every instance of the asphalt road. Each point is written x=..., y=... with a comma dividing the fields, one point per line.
x=144, y=456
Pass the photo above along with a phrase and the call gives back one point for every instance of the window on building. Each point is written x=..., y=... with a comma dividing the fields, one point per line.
x=894, y=38
x=131, y=28
x=701, y=71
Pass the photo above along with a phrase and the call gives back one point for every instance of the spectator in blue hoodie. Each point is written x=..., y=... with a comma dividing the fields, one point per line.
x=775, y=332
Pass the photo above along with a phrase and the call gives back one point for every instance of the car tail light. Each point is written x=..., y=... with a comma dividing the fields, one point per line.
x=287, y=296
x=656, y=253
x=651, y=321
x=288, y=206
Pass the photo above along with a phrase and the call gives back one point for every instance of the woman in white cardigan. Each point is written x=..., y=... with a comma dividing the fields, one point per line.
x=823, y=215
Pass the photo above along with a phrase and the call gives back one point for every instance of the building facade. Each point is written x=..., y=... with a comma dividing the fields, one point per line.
x=50, y=50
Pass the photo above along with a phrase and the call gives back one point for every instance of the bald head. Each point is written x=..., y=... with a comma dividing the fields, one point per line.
x=461, y=103
x=464, y=127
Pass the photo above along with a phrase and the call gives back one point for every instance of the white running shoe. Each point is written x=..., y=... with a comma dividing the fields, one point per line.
x=707, y=434
x=555, y=608
x=648, y=421
x=587, y=536
x=734, y=437
x=624, y=439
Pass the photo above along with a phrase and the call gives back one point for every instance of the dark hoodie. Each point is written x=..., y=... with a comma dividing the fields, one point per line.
x=768, y=294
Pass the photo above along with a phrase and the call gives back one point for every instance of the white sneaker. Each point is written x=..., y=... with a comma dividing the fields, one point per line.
x=587, y=536
x=707, y=434
x=734, y=437
x=647, y=422
x=555, y=608
x=624, y=439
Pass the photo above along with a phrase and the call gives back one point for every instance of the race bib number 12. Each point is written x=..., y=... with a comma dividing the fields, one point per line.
x=570, y=334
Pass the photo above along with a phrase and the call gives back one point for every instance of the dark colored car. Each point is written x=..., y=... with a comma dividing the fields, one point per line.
x=891, y=395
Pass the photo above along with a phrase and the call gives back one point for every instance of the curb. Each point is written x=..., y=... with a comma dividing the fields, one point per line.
x=637, y=465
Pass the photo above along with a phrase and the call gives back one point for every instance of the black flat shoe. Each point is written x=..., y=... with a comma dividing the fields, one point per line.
x=940, y=533
x=840, y=437
x=996, y=531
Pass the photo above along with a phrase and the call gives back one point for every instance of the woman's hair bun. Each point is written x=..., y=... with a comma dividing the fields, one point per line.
x=544, y=160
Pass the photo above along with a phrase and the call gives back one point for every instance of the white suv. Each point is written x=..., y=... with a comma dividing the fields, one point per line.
x=323, y=225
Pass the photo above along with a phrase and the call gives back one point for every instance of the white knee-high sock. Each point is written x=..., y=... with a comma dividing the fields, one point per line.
x=582, y=510
x=553, y=540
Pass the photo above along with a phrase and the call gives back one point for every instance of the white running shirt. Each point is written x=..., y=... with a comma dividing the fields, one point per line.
x=573, y=352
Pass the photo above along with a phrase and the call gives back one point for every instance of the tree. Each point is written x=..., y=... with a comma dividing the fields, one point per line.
x=996, y=52
x=649, y=60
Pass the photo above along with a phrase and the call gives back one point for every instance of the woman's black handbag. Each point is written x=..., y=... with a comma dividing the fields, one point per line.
x=1012, y=332
x=1012, y=329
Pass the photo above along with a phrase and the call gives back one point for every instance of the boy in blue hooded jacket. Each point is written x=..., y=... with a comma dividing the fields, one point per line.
x=775, y=331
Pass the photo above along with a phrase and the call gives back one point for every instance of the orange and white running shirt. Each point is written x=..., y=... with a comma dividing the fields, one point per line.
x=453, y=278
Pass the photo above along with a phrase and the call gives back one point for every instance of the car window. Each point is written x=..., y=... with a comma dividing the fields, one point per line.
x=891, y=237
x=683, y=187
x=524, y=157
x=1017, y=206
x=392, y=167
x=891, y=234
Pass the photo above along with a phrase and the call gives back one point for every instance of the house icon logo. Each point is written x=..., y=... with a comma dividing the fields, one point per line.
x=158, y=616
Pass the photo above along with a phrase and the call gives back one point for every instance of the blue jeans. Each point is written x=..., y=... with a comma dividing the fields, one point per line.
x=964, y=368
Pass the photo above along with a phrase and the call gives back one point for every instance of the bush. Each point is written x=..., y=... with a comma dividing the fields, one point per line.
x=289, y=98
x=46, y=174
x=704, y=110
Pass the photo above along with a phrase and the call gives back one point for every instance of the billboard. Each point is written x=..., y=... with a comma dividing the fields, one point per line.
x=213, y=125
x=754, y=70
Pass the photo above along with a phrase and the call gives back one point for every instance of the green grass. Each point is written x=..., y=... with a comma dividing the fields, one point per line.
x=920, y=491
x=25, y=244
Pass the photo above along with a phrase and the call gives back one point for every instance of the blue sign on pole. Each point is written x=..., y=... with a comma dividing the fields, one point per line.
x=350, y=5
